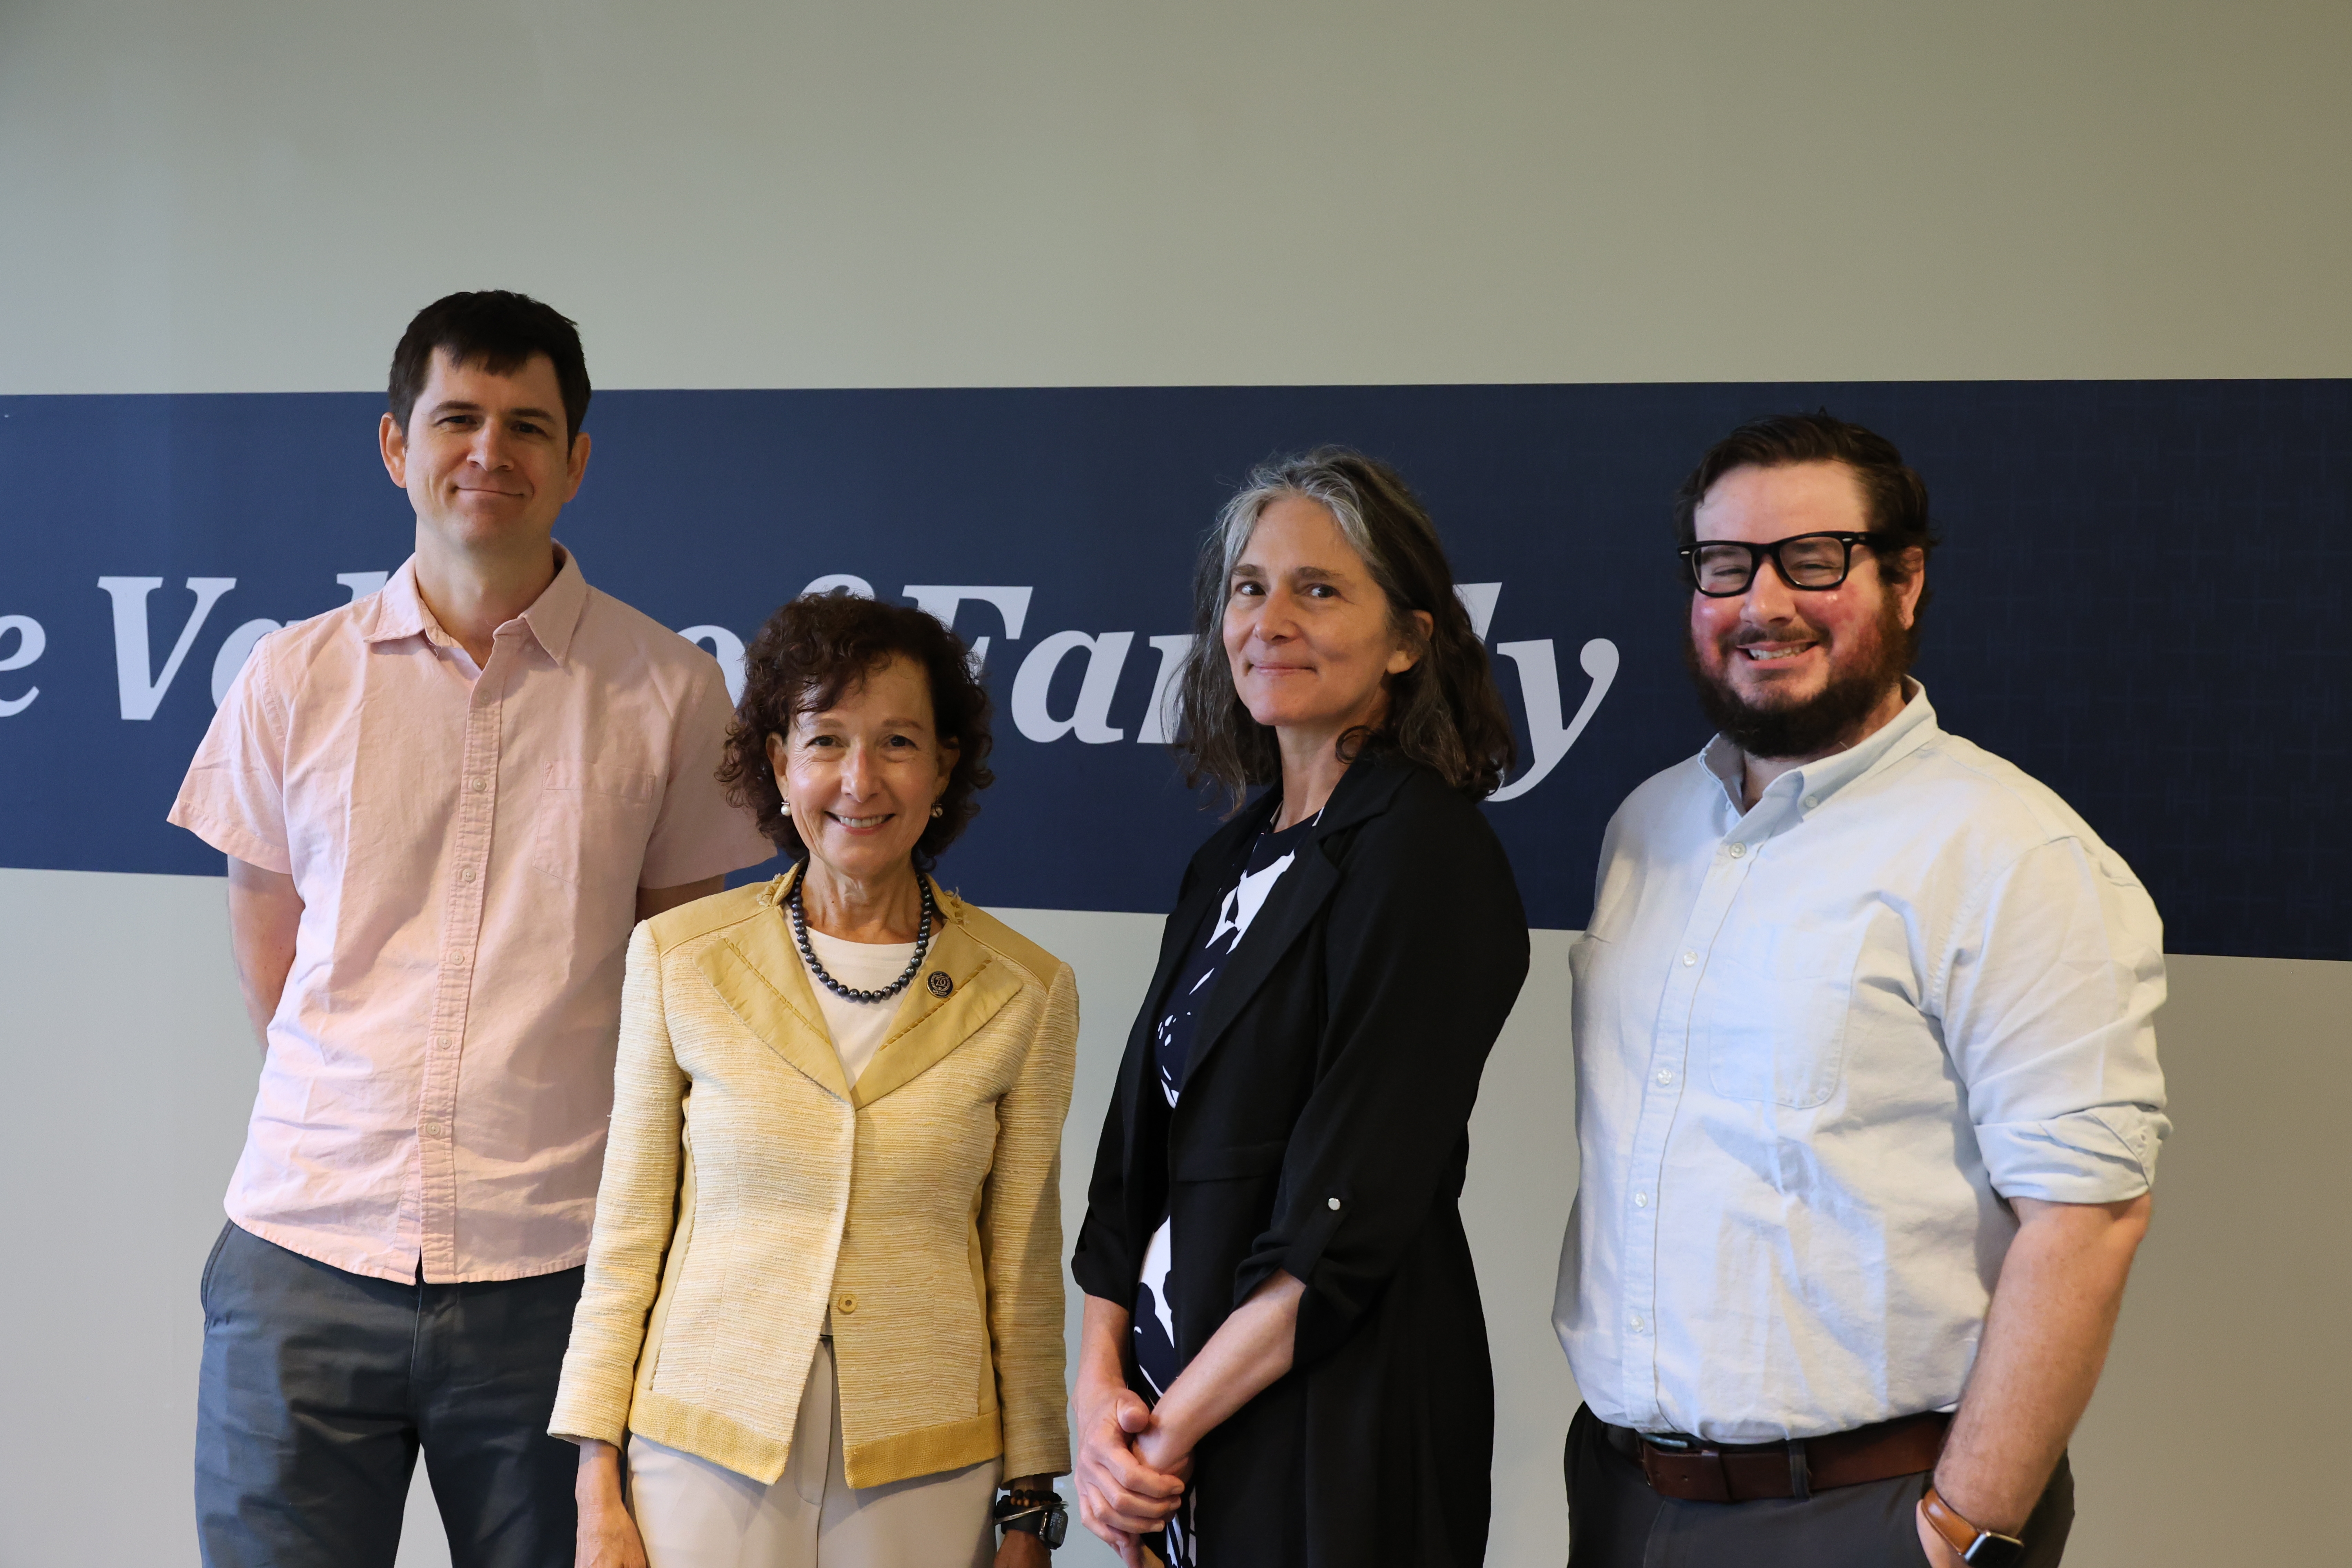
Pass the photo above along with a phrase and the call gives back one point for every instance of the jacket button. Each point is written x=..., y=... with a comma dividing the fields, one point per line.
x=1333, y=1201
x=846, y=1305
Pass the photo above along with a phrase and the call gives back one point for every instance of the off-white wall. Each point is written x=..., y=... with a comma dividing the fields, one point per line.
x=235, y=195
x=131, y=1071
x=224, y=195
x=131, y=1098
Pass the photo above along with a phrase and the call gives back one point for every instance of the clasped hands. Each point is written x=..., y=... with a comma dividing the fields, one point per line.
x=1131, y=1469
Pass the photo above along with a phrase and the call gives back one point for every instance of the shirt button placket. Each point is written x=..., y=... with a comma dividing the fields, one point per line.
x=452, y=984
x=1670, y=1050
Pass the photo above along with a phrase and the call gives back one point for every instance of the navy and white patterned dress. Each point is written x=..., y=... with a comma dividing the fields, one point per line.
x=1154, y=1329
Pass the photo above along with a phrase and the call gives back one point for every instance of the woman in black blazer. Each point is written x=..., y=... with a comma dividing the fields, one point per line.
x=1285, y=1358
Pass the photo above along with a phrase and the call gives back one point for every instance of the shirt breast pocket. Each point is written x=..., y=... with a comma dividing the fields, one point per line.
x=1774, y=1015
x=593, y=821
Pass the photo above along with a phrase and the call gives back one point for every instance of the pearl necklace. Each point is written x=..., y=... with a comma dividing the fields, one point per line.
x=808, y=953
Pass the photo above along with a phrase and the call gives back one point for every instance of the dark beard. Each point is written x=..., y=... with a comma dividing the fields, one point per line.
x=1811, y=728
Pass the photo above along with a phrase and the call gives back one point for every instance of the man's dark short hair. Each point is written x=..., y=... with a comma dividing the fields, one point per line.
x=1894, y=496
x=499, y=331
x=809, y=655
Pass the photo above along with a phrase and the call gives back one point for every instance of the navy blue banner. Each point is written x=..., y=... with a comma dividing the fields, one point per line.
x=2139, y=600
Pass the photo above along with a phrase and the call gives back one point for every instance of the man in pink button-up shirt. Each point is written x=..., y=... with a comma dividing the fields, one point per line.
x=444, y=806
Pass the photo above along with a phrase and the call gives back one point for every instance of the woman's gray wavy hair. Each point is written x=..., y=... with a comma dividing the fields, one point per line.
x=1443, y=712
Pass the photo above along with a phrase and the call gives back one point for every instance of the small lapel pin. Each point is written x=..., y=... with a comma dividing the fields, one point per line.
x=939, y=983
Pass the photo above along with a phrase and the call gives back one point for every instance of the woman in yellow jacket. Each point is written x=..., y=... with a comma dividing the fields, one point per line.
x=822, y=1314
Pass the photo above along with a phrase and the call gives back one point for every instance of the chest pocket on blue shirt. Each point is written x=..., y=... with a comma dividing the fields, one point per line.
x=1771, y=1010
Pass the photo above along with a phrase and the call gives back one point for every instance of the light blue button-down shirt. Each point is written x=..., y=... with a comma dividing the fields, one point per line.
x=1817, y=1044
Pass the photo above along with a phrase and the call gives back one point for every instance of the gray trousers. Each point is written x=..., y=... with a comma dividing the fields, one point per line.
x=1615, y=1520
x=319, y=1387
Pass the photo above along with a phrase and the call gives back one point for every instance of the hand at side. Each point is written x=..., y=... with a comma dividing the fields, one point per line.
x=607, y=1535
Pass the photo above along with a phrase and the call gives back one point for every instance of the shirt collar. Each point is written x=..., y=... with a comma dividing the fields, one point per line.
x=1817, y=781
x=394, y=611
x=552, y=618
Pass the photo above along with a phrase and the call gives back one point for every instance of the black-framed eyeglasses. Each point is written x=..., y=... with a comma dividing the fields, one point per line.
x=1723, y=568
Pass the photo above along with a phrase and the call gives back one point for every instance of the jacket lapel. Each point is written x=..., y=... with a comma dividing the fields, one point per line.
x=1175, y=943
x=1289, y=911
x=1364, y=791
x=929, y=1026
x=758, y=973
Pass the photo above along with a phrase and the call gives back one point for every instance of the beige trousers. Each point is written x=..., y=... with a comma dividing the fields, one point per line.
x=693, y=1514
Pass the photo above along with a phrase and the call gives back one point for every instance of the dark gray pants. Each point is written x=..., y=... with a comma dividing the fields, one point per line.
x=1615, y=1520
x=320, y=1386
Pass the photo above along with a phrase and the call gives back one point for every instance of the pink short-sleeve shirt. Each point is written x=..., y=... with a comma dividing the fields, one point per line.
x=468, y=844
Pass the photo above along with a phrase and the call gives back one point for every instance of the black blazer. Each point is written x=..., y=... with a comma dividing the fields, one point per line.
x=1323, y=1130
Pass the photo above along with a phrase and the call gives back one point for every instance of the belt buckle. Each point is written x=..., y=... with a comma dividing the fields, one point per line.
x=1699, y=1476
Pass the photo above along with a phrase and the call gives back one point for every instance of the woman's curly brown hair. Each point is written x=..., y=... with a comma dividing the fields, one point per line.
x=819, y=646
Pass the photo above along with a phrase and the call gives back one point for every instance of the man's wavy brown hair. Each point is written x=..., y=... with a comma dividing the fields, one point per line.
x=819, y=646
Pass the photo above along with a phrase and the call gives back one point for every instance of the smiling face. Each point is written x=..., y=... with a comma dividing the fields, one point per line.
x=861, y=777
x=485, y=459
x=1788, y=672
x=1311, y=636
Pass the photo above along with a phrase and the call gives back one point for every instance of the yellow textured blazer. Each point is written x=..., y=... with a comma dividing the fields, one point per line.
x=747, y=1188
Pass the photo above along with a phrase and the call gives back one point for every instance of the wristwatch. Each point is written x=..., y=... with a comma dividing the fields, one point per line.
x=1979, y=1548
x=1041, y=1514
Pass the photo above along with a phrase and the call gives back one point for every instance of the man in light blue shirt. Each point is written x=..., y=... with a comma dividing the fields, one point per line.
x=1868, y=1090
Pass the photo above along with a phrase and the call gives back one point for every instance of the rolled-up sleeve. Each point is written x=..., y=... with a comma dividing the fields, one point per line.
x=1428, y=949
x=2049, y=1006
x=1104, y=1260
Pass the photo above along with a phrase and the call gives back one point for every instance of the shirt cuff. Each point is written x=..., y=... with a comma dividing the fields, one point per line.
x=2104, y=1155
x=1101, y=1269
x=231, y=839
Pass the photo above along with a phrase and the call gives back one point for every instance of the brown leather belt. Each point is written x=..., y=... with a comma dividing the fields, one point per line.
x=1746, y=1472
